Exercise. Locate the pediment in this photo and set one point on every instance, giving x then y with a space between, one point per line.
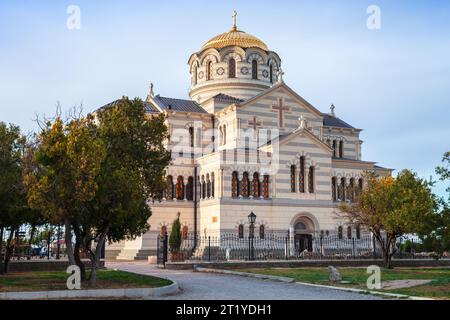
275 92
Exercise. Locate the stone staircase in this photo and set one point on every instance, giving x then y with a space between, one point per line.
135 254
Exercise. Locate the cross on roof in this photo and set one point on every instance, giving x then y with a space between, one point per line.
254 123
234 20
281 109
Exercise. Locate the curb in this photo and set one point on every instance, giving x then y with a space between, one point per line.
363 291
291 280
245 274
99 293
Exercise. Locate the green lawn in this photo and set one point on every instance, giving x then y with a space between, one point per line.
357 277
56 280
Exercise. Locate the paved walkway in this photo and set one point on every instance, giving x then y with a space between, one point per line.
207 286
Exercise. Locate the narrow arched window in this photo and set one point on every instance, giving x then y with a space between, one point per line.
184 232
341 149
169 188
212 185
358 231
261 231
342 187
334 148
245 185
271 73
241 231
349 232
255 69
195 76
265 186
220 135
340 232
163 231
234 185
301 178
179 190
224 134
256 189
208 186
311 180
190 189
293 180
191 136
209 71
203 188
351 190
231 68
333 188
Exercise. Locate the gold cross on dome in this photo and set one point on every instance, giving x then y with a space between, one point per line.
234 20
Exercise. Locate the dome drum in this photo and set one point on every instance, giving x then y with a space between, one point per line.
234 63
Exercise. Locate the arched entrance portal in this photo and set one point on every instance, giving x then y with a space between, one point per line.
303 233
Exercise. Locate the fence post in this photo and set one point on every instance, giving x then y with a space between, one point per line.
321 247
354 249
401 248
373 246
286 247
209 248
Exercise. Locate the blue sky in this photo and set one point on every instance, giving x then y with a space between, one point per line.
394 82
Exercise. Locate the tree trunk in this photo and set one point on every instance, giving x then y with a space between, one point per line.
385 248
388 251
76 252
68 240
33 230
9 249
1 250
95 258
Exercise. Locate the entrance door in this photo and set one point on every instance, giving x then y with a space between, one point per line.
303 242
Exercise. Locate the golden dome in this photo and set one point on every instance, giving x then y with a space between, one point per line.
235 37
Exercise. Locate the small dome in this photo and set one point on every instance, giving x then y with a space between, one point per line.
235 37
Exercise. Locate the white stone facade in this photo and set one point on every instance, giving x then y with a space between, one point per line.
245 122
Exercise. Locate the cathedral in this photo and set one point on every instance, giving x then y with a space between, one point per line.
246 142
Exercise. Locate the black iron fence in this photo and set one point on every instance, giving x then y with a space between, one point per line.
229 247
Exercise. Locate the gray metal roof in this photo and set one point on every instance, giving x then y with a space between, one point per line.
148 106
227 98
178 104
331 121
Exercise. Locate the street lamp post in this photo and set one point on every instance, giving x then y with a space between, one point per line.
251 220
58 245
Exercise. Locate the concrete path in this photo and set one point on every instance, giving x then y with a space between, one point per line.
207 286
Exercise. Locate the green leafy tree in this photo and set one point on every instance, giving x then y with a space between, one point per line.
436 235
61 175
175 235
131 176
13 205
392 207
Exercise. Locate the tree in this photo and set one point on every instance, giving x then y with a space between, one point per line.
13 206
392 207
436 236
175 235
131 176
97 175
61 175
